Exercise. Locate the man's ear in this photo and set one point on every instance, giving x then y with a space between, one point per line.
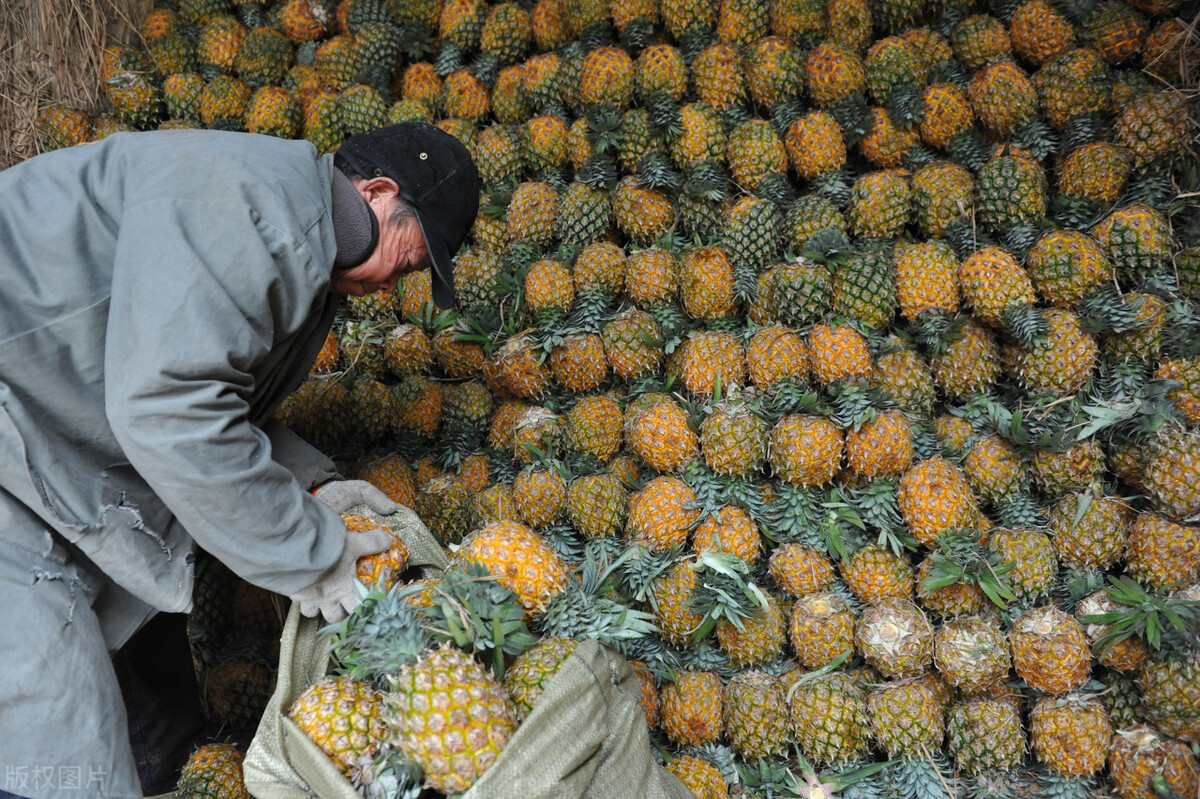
381 187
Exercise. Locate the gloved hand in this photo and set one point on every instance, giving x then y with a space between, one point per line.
342 495
335 594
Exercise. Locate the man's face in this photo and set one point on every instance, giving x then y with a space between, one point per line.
401 247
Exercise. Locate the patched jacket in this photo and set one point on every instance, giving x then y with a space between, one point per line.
160 294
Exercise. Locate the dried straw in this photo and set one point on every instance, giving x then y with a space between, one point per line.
50 55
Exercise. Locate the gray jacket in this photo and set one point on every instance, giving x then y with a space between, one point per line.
160 294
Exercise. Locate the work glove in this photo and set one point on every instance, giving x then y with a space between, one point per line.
335 594
342 495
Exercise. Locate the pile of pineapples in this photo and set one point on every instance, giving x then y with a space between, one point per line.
847 351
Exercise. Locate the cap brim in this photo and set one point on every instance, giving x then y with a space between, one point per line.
441 269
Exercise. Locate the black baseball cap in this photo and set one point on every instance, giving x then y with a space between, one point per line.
436 176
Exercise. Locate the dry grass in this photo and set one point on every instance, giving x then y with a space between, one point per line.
50 55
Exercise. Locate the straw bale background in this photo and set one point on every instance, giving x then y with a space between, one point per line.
50 54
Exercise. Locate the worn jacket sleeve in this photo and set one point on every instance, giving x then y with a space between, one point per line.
202 293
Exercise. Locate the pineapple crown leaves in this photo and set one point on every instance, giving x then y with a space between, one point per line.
1036 136
599 171
1019 510
1181 337
828 246
450 58
1126 402
853 114
906 106
854 405
604 124
384 633
1168 624
724 591
935 332
475 613
430 319
852 781
565 540
1107 312
878 507
638 572
664 116
638 34
588 609
714 492
387 774
960 558
654 171
795 515
706 180
928 777
1025 323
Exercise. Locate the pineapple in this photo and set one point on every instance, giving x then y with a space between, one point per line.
525 680
948 114
805 450
1003 97
1160 552
934 497
520 559
926 279
633 344
906 718
1171 697
662 513
700 777
598 505
213 771
672 599
1096 171
1073 84
1070 733
875 572
1089 530
733 439
985 734
821 628
1039 32
1066 266
1034 565
660 436
1050 651
894 636
594 427
840 354
880 204
979 40
830 719
449 716
799 570
833 70
1139 753
691 708
775 353
344 717
718 77
971 654
712 361
774 71
757 639
1172 473
756 717
706 283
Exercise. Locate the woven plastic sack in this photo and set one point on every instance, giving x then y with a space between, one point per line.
585 738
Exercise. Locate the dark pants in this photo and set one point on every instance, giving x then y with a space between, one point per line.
162 699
